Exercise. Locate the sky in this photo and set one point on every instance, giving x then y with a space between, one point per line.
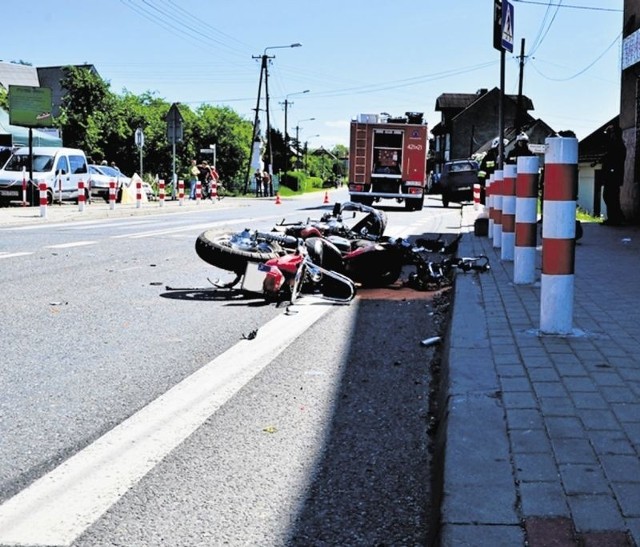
356 56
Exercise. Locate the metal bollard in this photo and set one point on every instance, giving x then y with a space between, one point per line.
488 198
81 196
112 194
476 196
161 192
42 187
558 235
496 190
181 192
508 213
524 256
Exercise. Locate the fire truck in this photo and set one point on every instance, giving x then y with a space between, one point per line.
388 159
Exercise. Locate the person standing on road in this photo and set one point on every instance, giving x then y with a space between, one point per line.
194 173
267 184
613 175
259 183
487 166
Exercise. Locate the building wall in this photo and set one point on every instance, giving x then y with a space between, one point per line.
587 190
630 119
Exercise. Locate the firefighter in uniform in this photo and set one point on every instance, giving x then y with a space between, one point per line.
487 166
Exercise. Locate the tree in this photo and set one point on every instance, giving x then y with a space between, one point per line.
232 136
85 110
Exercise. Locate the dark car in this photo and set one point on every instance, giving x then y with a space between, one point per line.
457 180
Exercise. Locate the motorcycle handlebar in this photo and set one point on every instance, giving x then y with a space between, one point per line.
278 238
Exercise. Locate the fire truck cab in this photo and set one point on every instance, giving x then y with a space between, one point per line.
388 159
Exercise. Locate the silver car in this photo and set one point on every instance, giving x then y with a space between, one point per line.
101 176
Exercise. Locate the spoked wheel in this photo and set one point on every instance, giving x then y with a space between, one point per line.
232 252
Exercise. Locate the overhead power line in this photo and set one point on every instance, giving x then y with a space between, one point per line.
588 8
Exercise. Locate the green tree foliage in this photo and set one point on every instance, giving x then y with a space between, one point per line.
103 124
232 136
86 109
4 98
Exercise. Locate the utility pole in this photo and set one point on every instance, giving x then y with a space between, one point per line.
263 73
519 113
286 104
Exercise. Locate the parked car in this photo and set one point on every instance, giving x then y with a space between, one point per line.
61 169
101 176
457 180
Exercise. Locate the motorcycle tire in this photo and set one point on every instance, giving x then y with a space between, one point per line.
219 251
374 268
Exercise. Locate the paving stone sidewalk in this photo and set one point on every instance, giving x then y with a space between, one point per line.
543 432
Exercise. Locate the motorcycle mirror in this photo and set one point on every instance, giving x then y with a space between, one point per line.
336 209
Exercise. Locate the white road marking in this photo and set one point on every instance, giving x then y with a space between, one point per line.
71 244
60 506
11 255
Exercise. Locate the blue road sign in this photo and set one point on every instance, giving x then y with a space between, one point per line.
507 26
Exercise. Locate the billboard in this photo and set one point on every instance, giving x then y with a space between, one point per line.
30 106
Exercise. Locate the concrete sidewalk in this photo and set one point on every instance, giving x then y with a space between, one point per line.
542 433
99 209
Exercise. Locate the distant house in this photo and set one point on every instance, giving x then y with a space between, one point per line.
51 77
17 74
590 152
470 122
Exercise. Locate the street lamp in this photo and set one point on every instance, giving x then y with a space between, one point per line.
286 103
298 140
306 150
263 71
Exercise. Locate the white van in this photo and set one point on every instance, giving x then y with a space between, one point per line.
60 168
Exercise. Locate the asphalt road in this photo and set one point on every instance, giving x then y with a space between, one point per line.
135 415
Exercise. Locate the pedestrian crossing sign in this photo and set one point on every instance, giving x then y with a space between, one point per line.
507 26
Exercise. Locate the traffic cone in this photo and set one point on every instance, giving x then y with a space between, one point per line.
278 202
326 198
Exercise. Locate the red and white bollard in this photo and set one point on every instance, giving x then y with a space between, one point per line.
488 200
558 235
24 186
138 193
42 188
508 213
476 196
198 191
112 194
81 196
214 190
181 192
161 192
496 191
524 256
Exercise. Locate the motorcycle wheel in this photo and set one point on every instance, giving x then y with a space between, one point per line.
374 268
222 252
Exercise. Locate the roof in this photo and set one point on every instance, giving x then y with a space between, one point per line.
461 101
593 146
18 74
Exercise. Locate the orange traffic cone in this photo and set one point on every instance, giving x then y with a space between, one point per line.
326 198
278 202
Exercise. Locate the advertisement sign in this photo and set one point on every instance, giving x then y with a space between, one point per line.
30 106
631 50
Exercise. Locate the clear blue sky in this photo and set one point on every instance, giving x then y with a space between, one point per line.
357 56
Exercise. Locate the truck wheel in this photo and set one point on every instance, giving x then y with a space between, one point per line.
413 204
445 200
222 252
